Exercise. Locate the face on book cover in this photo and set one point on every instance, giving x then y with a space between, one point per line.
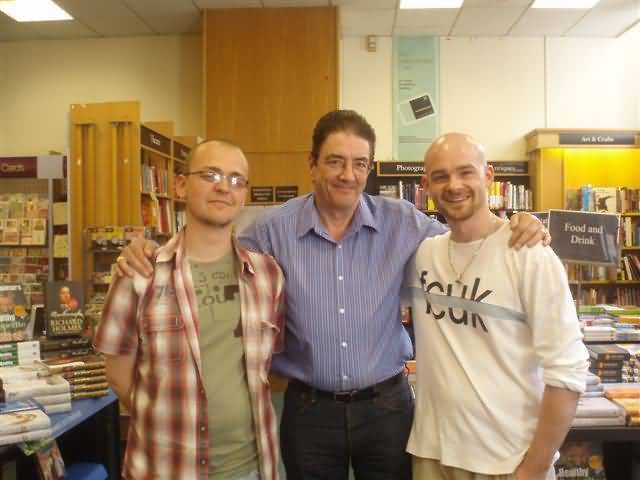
213 204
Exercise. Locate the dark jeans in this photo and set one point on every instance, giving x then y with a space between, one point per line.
320 436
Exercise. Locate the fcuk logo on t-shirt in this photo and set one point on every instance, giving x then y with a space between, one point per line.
438 288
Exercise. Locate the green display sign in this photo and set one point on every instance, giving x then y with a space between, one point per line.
416 96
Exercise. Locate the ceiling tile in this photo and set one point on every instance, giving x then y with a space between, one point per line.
61 30
430 18
496 3
12 31
167 16
358 21
211 4
486 21
545 22
607 19
106 17
434 31
366 3
295 3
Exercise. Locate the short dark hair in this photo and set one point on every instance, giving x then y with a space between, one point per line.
348 121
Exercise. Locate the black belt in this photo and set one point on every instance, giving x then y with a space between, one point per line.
349 396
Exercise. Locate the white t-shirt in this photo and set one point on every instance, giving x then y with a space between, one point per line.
486 348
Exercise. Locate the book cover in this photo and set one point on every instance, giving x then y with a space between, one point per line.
23 421
581 460
605 199
91 362
65 315
50 462
13 313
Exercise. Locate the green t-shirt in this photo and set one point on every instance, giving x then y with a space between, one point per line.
232 441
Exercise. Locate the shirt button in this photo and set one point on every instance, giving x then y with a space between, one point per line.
203 428
203 462
345 377
344 344
339 246
340 277
341 311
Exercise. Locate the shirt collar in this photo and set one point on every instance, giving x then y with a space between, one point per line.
309 218
175 247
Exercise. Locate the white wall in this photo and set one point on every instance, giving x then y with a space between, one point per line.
494 88
40 79
365 86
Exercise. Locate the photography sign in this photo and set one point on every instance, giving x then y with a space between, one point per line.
585 237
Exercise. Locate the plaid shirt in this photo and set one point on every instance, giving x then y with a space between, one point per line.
157 320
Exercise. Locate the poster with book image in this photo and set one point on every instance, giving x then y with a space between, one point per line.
14 320
50 462
65 316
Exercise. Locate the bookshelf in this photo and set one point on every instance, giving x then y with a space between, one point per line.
593 170
509 193
156 170
182 146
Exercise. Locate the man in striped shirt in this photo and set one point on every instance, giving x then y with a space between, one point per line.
189 348
343 253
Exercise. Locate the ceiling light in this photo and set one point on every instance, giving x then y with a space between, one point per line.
33 10
416 4
566 4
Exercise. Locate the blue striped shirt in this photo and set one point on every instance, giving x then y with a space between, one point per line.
343 327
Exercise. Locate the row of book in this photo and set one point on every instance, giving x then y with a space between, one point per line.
604 199
155 179
630 267
502 195
410 191
601 295
631 231
23 205
156 213
509 196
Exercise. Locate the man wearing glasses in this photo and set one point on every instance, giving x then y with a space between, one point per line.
189 348
343 253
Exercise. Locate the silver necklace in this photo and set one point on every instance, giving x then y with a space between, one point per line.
459 276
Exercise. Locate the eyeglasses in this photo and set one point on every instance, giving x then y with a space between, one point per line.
235 182
337 165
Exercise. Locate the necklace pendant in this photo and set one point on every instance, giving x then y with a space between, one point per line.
458 281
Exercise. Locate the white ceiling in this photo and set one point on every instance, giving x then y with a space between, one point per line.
111 18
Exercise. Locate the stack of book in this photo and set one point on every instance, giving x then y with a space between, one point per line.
19 353
53 392
86 375
65 348
629 399
22 421
611 363
598 333
598 411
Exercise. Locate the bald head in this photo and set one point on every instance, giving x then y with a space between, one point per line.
455 146
211 147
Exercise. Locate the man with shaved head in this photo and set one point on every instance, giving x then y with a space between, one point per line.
500 358
189 348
